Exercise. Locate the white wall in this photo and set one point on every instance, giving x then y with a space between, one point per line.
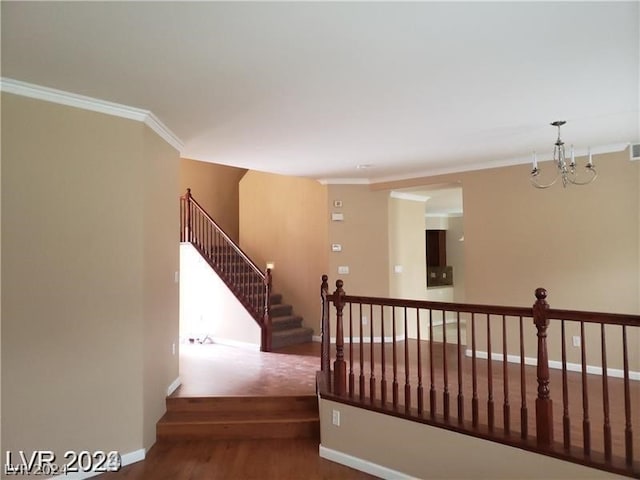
208 307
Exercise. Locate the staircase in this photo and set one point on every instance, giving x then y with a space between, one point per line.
280 326
239 417
286 327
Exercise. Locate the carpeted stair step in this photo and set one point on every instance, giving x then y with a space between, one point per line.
286 322
281 310
292 336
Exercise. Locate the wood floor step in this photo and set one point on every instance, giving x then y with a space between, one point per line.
225 429
247 404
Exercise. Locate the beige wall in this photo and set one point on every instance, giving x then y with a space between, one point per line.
216 188
88 311
580 243
407 249
422 451
161 264
283 219
364 238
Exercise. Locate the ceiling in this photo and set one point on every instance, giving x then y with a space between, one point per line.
317 89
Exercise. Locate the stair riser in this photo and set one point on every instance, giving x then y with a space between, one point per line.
281 310
177 431
290 340
286 324
224 405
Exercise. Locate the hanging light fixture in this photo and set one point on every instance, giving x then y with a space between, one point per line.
567 172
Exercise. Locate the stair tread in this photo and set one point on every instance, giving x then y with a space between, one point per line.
292 332
197 418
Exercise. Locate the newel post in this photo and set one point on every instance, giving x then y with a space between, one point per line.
325 360
266 319
339 366
544 406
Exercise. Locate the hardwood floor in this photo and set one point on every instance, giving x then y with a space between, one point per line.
205 371
218 370
237 459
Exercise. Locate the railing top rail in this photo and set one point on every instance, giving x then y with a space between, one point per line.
431 305
229 240
552 313
594 317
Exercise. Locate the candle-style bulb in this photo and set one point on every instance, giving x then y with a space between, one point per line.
573 157
590 162
535 161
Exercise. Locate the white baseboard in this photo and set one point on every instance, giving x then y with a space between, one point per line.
174 385
356 339
127 459
236 343
362 465
555 364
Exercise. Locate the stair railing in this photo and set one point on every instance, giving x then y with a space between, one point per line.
249 284
402 348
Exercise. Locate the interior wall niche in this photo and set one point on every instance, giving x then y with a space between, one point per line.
439 274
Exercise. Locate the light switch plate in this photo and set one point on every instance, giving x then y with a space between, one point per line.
337 217
336 247
343 269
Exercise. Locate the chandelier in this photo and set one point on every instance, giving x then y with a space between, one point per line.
567 172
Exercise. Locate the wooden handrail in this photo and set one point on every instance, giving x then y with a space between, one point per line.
613 450
249 284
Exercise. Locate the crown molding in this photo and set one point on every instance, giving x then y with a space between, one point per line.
409 196
61 97
597 150
344 181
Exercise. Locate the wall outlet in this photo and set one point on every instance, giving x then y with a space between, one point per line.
343 270
173 348
576 341
365 320
336 418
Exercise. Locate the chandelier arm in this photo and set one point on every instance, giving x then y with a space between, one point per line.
585 182
543 186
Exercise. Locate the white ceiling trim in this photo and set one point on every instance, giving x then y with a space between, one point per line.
61 97
344 181
598 150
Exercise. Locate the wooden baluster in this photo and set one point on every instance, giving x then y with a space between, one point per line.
383 379
361 383
182 219
395 358
325 355
605 396
460 394
432 388
267 327
420 386
474 374
506 408
566 421
351 377
339 366
586 423
188 212
524 413
372 377
490 406
445 393
407 382
544 406
628 431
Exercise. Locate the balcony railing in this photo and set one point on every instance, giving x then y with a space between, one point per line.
558 382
